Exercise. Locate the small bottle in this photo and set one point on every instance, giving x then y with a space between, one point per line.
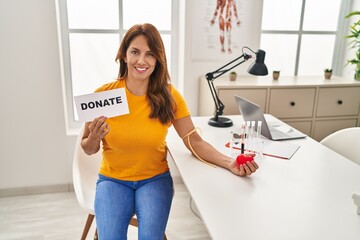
258 130
259 141
243 138
235 145
247 135
253 127
251 139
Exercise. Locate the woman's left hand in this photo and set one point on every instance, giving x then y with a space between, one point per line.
245 169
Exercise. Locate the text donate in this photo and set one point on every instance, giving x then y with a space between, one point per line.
101 103
109 103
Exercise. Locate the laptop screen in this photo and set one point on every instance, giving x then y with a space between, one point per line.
252 112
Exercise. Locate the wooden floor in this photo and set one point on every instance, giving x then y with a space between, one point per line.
58 216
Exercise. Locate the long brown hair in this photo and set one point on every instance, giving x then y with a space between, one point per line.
158 94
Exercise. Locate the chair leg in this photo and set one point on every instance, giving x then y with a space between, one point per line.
87 226
96 235
134 222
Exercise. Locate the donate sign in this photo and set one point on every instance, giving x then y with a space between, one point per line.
107 103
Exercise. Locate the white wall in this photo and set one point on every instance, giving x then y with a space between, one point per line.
34 148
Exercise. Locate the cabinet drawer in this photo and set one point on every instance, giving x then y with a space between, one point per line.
257 96
292 103
325 127
338 101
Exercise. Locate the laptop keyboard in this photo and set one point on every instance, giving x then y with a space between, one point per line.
275 133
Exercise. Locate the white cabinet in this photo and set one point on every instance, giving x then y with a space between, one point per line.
313 105
292 102
339 101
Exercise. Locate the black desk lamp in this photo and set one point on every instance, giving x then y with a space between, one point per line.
257 68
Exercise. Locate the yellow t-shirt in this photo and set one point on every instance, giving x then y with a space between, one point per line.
135 147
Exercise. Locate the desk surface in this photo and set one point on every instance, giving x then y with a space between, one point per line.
306 197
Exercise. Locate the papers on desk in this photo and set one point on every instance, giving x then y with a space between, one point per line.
278 149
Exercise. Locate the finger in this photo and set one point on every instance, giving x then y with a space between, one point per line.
93 123
255 164
247 169
105 131
97 127
251 166
100 122
241 171
103 127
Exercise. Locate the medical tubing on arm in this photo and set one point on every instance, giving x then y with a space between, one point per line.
192 149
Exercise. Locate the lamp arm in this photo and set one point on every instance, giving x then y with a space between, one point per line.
210 77
218 104
217 73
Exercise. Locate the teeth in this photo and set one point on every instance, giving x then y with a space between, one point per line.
141 69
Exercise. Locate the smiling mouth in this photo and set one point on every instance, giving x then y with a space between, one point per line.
141 69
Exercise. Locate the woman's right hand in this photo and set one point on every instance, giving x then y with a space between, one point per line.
94 132
99 128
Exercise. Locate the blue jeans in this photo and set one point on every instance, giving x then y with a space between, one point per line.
116 201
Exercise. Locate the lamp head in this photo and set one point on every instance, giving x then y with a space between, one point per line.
258 67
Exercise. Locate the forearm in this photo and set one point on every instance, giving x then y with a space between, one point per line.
211 155
203 150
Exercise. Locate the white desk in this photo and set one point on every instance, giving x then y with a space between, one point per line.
306 197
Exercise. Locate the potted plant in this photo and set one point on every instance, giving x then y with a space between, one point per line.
355 43
327 73
232 76
276 74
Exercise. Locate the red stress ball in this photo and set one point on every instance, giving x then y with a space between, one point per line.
243 158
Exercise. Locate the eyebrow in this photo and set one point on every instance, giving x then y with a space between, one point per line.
134 48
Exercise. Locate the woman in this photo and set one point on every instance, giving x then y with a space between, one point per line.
134 175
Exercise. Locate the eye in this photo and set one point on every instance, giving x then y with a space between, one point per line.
134 52
151 54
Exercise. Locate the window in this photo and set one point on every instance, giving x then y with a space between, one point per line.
299 36
91 32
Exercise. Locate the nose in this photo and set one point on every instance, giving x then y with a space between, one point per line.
141 59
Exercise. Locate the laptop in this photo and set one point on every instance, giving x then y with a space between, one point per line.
273 131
